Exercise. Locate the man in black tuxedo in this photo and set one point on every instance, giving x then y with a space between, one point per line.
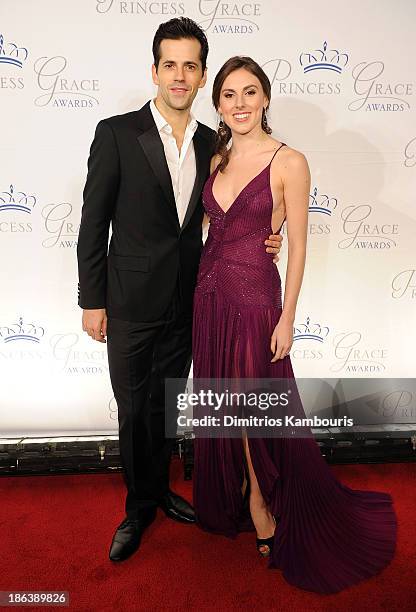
146 171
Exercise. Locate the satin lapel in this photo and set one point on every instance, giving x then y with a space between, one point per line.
155 153
202 159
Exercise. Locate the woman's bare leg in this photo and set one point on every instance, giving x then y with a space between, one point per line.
262 517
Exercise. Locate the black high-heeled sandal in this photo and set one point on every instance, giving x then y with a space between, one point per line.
260 542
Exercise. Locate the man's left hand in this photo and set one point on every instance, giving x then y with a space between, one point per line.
273 244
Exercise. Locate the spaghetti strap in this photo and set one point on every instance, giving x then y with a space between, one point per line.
274 154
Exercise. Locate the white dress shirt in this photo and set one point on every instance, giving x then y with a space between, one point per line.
182 166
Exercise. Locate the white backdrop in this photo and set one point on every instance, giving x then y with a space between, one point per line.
343 94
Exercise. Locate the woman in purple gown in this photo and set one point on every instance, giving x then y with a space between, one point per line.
323 535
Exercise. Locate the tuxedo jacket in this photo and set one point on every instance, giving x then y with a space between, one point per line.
129 185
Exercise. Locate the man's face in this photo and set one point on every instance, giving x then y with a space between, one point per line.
179 74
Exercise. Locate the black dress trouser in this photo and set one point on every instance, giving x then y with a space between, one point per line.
141 356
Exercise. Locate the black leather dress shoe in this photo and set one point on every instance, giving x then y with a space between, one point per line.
177 508
129 533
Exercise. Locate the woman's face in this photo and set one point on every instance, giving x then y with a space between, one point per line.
242 101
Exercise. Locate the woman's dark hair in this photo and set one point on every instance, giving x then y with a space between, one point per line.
224 132
174 29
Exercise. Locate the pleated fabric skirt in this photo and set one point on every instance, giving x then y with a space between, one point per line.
328 536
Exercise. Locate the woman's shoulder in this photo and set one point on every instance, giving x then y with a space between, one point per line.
215 160
291 158
289 152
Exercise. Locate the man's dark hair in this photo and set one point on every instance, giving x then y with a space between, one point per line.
174 29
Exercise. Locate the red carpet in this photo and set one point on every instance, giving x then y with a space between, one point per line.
56 530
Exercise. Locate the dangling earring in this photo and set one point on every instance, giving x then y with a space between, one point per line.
264 123
265 126
222 130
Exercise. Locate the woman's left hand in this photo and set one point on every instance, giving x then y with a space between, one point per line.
282 339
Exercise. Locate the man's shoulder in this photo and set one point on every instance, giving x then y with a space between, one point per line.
206 131
122 118
131 118
143 119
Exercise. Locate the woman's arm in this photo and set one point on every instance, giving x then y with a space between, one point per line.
296 187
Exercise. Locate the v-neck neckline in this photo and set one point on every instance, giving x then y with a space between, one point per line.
214 174
225 212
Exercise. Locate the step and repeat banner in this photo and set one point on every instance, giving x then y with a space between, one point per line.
344 94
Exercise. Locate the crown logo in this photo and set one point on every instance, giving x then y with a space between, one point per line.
322 203
20 331
16 200
12 54
305 331
323 59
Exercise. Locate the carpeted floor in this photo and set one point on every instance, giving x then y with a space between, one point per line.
56 531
